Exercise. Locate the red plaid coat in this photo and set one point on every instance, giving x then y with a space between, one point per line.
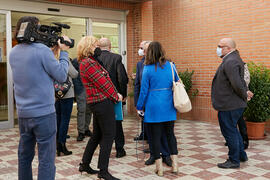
96 81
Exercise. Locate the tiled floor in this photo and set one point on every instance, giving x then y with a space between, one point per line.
200 145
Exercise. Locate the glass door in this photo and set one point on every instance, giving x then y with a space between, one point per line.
110 31
6 92
113 31
77 25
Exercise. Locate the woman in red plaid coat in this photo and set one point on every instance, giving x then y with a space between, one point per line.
101 96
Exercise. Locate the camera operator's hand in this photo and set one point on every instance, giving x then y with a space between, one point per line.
63 46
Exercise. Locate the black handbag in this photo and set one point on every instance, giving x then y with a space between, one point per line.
61 89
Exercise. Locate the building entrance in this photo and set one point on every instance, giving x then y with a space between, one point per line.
79 27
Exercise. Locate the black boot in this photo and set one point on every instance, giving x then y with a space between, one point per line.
167 160
246 143
58 148
87 168
121 153
80 137
150 161
61 148
105 175
88 133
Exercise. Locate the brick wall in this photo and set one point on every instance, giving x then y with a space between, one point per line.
190 30
147 21
133 41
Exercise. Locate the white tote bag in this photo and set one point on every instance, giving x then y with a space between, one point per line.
180 97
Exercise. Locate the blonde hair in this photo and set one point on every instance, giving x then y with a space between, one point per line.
56 51
86 47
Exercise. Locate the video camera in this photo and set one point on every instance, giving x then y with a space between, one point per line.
48 35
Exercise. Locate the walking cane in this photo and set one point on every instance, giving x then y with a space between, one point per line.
141 114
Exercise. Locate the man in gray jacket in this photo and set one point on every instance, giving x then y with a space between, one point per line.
229 97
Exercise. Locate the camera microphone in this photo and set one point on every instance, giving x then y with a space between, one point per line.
62 25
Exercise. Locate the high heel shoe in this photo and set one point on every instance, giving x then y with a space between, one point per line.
87 168
61 148
105 175
159 167
174 164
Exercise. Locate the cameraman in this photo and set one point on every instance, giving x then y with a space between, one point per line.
34 68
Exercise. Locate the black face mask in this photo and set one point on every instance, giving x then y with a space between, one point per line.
97 52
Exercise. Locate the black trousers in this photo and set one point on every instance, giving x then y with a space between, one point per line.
103 133
119 136
243 130
157 131
164 148
143 134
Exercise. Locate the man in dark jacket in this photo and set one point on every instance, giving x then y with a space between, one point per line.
113 64
229 97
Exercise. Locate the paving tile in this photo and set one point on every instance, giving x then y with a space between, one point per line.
239 175
206 175
200 145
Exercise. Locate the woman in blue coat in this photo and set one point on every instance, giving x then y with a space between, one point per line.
157 97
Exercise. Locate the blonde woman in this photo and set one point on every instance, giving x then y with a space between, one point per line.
101 96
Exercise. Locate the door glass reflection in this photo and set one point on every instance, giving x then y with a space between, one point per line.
3 70
110 31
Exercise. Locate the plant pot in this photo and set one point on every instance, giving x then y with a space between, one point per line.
255 130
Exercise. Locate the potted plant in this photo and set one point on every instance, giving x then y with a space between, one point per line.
258 108
186 77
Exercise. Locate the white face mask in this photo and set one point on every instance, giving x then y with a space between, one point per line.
140 52
219 51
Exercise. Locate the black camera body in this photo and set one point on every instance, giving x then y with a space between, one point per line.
48 35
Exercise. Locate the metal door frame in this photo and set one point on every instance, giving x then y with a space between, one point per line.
10 122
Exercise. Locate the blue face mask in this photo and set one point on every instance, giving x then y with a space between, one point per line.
219 51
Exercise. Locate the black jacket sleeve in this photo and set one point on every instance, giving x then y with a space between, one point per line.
137 84
122 77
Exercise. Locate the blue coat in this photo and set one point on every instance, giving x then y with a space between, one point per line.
156 94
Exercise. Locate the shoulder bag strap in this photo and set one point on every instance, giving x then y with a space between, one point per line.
172 71
172 67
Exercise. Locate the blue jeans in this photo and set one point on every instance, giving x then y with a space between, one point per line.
228 126
63 112
40 130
